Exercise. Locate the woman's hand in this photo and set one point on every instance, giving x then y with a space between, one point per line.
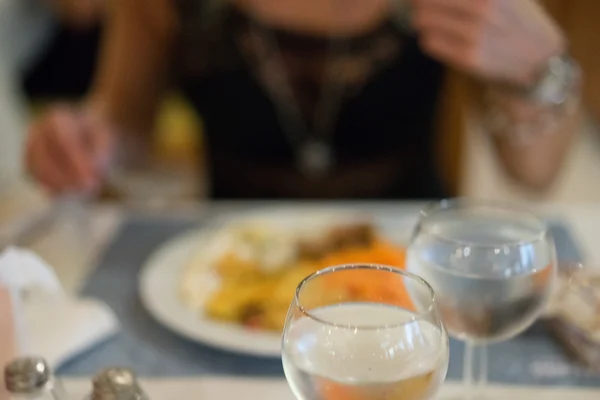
508 41
69 150
79 13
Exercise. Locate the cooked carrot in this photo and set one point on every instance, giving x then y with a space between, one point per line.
335 391
369 285
543 277
379 252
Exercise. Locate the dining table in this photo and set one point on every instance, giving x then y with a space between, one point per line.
97 251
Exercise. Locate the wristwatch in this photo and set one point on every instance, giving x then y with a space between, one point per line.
556 93
559 82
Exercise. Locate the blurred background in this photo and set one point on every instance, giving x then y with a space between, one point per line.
49 52
113 108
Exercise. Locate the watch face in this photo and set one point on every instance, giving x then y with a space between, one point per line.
556 84
552 89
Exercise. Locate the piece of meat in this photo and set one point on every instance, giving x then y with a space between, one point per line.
351 236
252 315
338 238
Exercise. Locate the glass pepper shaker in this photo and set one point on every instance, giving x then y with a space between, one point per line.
117 384
30 378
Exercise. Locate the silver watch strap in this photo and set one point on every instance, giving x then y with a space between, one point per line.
557 83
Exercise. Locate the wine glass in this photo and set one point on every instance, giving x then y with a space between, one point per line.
368 332
492 267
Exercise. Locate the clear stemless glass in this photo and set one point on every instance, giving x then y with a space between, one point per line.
364 332
492 267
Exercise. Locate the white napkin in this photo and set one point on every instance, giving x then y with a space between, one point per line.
50 323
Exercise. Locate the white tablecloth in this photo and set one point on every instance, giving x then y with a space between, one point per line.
260 389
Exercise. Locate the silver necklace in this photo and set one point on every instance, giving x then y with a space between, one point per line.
313 153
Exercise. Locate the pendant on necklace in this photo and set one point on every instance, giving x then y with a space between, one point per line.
316 158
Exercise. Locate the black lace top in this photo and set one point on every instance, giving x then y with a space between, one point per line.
382 136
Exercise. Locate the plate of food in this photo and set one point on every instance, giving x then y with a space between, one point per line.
229 284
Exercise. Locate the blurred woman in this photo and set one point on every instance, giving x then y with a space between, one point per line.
324 98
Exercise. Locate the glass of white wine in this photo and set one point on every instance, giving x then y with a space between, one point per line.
364 332
492 267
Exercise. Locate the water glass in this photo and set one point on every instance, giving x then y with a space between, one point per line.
367 332
492 267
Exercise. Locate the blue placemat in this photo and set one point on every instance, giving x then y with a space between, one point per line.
143 344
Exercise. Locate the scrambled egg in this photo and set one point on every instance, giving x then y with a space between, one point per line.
268 247
248 273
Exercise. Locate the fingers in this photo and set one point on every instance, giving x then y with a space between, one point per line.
58 155
448 49
80 13
42 164
498 40
464 9
445 34
65 142
453 30
101 143
434 20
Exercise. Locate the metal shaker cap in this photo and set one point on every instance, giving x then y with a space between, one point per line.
26 375
117 384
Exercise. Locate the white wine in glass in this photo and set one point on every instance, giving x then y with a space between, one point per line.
367 346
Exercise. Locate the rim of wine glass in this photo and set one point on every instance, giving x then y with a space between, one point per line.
449 204
365 266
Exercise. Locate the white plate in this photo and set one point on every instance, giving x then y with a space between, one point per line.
159 281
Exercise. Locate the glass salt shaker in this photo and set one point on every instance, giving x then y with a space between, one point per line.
117 384
30 378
